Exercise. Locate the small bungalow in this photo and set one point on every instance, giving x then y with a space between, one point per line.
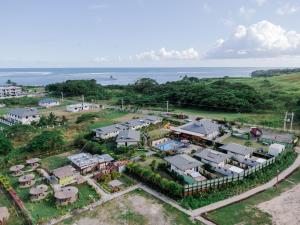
236 150
65 175
128 138
203 129
48 102
252 161
34 162
109 131
39 192
66 195
229 170
22 116
211 157
27 180
86 163
183 164
78 107
275 149
285 139
16 170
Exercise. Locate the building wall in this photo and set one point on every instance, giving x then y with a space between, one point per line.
67 180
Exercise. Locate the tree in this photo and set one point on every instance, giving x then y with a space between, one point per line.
153 165
19 132
52 119
145 85
47 141
43 121
64 120
5 145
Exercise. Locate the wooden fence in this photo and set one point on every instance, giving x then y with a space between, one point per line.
190 189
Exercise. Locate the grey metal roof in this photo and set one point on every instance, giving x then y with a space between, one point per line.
110 129
280 137
48 100
128 135
237 148
211 155
134 123
85 159
183 162
23 112
203 126
152 118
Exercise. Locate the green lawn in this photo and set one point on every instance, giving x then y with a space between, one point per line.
53 162
158 133
245 212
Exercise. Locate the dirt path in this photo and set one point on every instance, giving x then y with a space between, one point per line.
284 209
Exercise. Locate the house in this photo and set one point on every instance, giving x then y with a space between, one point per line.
39 192
275 149
34 162
65 175
27 180
86 163
183 164
236 150
128 137
22 115
229 170
10 91
211 157
66 195
285 139
252 161
152 119
135 124
16 170
109 131
202 129
78 107
48 102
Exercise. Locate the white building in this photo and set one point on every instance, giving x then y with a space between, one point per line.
128 138
48 102
78 107
10 91
236 150
229 170
21 115
275 149
109 131
211 157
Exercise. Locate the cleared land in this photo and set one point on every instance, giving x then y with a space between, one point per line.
135 208
248 212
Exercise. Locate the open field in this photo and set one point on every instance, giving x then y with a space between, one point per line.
135 208
53 162
249 211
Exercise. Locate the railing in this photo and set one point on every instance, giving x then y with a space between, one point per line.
215 183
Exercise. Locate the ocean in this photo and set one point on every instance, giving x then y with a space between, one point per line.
108 76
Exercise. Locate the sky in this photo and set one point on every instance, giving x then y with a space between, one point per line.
149 33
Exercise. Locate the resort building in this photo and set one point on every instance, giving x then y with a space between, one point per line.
66 195
128 138
252 161
16 170
182 164
78 107
7 91
236 150
86 163
34 162
285 139
48 102
109 131
135 124
211 157
27 180
22 116
228 170
39 192
276 149
203 129
64 175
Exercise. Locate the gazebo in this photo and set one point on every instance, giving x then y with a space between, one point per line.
39 192
66 195
16 170
34 162
27 180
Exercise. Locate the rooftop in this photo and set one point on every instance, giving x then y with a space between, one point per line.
48 100
183 162
66 192
40 189
26 178
204 127
110 129
86 159
33 161
23 112
65 171
16 168
129 135
237 148
211 155
280 137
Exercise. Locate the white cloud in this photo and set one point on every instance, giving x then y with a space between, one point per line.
260 2
287 9
245 12
262 39
164 54
100 59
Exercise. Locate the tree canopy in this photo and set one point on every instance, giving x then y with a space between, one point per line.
5 145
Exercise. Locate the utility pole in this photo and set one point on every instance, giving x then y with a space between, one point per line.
284 121
288 119
122 104
62 96
167 106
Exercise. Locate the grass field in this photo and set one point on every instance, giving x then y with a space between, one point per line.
53 162
246 212
254 144
134 208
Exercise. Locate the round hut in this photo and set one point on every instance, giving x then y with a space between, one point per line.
16 170
66 195
39 192
27 180
34 162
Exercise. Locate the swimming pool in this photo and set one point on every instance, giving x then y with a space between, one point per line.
169 145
